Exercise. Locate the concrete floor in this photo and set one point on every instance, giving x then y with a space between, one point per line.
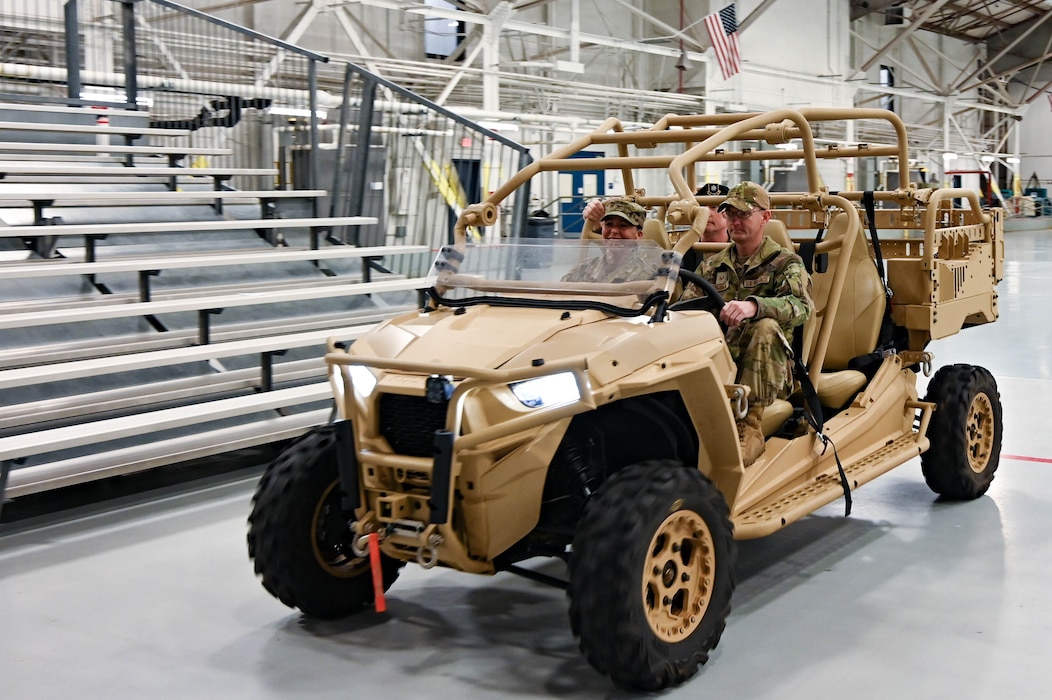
153 595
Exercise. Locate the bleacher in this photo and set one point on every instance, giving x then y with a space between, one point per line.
158 322
174 255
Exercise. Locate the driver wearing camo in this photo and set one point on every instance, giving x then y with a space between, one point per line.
767 295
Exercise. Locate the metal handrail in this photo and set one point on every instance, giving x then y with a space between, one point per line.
242 30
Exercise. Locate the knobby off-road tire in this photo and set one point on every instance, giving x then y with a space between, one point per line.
965 432
300 539
651 574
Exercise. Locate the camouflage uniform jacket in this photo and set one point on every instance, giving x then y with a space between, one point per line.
773 277
621 266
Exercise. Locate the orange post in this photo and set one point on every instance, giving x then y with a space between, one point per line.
378 572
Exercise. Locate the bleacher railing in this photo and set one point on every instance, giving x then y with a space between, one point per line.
379 148
415 165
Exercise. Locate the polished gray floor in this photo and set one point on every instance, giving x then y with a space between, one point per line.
154 597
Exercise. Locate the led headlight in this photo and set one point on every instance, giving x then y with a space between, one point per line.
547 391
363 379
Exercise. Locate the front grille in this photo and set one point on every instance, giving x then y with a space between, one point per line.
408 423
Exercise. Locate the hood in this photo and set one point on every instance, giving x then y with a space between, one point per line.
495 337
477 336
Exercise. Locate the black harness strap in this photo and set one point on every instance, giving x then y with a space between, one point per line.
886 325
869 203
807 254
814 417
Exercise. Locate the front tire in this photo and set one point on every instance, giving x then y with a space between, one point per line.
651 574
299 535
965 432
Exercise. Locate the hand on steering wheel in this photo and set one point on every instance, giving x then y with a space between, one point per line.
712 301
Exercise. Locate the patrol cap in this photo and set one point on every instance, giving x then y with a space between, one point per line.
745 196
712 189
627 210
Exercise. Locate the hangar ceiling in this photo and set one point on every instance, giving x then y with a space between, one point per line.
529 65
508 64
1017 35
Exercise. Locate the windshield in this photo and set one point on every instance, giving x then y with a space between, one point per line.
594 274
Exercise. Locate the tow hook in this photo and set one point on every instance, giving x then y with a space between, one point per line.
427 555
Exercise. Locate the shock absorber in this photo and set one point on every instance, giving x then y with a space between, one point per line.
576 457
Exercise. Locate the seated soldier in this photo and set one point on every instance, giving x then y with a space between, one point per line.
622 228
767 294
715 228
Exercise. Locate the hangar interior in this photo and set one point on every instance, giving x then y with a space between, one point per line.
226 185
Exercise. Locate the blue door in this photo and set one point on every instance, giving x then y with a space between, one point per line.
576 189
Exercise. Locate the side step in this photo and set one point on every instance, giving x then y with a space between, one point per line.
771 516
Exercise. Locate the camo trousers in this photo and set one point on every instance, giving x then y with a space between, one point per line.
762 354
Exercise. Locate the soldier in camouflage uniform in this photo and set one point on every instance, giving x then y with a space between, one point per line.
622 222
767 294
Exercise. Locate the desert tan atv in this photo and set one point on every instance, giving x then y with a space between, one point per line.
517 415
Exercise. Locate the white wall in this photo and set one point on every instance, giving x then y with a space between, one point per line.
1036 142
794 54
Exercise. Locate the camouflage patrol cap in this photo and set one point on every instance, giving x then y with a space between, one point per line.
627 210
712 189
745 196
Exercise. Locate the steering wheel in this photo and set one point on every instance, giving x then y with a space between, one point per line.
712 301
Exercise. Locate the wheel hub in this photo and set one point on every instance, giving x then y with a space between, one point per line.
979 433
678 576
331 537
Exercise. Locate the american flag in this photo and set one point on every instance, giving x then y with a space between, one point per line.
723 32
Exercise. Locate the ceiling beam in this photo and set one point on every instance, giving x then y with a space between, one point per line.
1010 71
1000 54
935 83
755 14
1043 89
676 33
347 21
930 10
861 8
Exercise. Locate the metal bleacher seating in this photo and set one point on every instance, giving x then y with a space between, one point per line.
114 354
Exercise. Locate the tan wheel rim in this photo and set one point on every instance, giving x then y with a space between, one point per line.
678 576
980 433
333 553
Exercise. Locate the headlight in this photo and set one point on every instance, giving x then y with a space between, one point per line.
363 379
550 390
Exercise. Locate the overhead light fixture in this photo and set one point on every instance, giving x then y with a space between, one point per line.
499 126
1012 159
296 112
569 66
117 97
949 156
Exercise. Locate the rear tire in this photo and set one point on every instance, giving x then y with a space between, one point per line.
651 574
299 535
965 432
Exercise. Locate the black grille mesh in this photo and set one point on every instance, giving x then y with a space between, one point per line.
409 423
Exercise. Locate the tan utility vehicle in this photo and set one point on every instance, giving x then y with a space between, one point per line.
518 415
